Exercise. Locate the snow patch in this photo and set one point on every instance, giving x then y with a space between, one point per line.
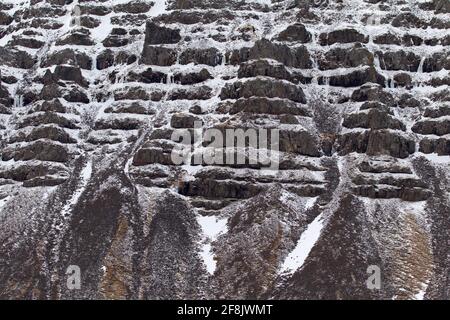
159 8
434 157
308 239
421 294
211 227
4 201
85 175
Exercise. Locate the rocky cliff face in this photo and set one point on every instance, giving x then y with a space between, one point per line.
91 92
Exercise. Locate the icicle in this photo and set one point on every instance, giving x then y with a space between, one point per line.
224 57
420 68
326 82
315 64
392 83
169 79
18 101
313 38
94 62
376 62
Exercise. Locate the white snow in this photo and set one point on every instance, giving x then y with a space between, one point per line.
103 269
4 201
127 166
268 2
102 31
421 294
211 227
208 258
159 8
85 176
307 241
434 157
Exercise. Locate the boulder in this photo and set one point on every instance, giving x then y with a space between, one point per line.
213 189
5 19
295 33
441 6
47 118
208 56
69 73
155 34
373 92
134 107
50 91
70 57
237 56
147 76
399 60
95 10
194 93
390 143
45 181
5 98
406 194
376 142
46 23
76 95
105 59
115 41
441 111
345 58
299 142
79 37
436 127
16 58
159 56
192 77
51 106
28 171
49 132
38 150
297 57
194 17
342 36
124 57
438 23
355 78
410 40
408 20
134 7
373 119
262 87
88 22
437 62
261 105
182 120
27 42
375 105
440 146
137 93
120 123
388 38
154 152
403 80
267 68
